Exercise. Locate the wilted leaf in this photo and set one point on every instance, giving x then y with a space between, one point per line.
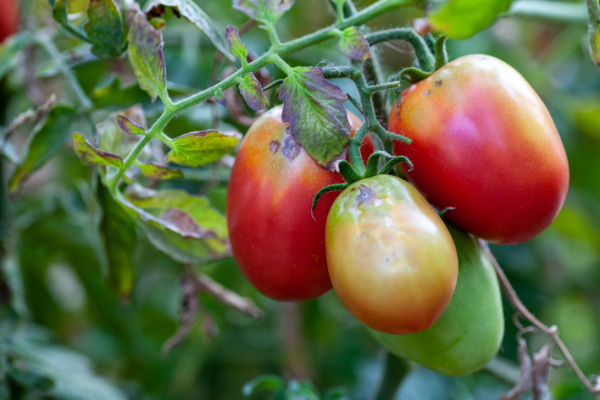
463 18
263 10
110 133
45 140
354 45
252 92
105 28
91 155
146 56
236 46
314 107
9 50
119 237
159 172
183 226
200 148
128 126
193 13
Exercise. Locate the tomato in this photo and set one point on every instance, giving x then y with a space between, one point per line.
469 333
10 18
275 241
485 147
391 259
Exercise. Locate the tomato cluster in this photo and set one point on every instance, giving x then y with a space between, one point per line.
484 150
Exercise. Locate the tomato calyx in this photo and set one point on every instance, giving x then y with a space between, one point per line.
350 175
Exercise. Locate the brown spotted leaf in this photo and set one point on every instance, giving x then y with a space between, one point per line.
91 155
159 172
200 148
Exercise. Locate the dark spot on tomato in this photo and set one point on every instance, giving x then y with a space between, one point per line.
438 83
290 148
273 146
426 93
365 195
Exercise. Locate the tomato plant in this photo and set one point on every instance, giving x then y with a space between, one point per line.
275 241
469 333
10 18
485 148
391 259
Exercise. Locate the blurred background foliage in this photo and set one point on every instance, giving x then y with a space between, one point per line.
76 339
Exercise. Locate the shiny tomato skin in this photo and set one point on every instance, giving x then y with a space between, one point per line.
391 259
276 243
9 18
485 147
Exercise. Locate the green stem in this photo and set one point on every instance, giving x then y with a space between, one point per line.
273 55
424 56
395 369
552 11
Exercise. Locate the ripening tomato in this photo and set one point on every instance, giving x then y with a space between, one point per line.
485 147
391 259
275 241
469 333
9 18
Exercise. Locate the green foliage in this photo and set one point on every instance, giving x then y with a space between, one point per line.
461 19
105 28
91 155
200 148
354 45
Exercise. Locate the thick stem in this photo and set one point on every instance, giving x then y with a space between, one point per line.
395 369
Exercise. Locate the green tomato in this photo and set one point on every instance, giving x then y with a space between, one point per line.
469 333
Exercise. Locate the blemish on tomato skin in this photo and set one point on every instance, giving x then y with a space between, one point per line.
427 93
274 146
365 195
438 83
290 148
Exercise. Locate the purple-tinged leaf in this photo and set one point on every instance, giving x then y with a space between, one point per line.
193 13
236 46
110 136
105 28
128 126
146 56
220 97
314 107
354 45
159 172
183 226
46 140
200 148
252 92
263 10
91 155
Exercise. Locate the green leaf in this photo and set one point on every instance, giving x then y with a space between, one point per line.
183 226
267 11
128 126
146 56
60 14
10 49
236 46
119 238
193 13
354 45
200 148
46 139
267 383
105 28
252 92
91 155
461 19
110 133
314 107
160 172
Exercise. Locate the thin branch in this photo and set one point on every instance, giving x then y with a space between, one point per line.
32 114
205 284
551 331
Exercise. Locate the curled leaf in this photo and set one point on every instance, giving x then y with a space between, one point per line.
160 172
252 92
236 46
354 45
128 126
200 148
91 155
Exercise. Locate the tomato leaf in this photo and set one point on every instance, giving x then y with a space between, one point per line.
220 98
128 126
160 172
119 238
105 28
46 139
183 226
354 45
314 107
236 46
193 13
463 18
268 11
110 131
91 155
146 56
60 14
200 148
252 92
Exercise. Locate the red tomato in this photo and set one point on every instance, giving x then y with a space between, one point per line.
10 18
275 241
486 146
391 259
